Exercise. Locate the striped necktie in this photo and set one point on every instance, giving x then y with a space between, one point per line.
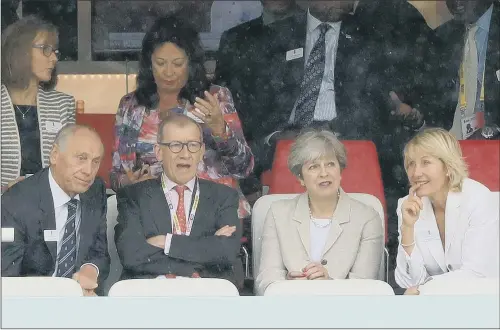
313 77
66 258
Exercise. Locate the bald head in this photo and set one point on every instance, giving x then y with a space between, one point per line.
71 130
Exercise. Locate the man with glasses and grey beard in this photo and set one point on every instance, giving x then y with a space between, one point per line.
178 225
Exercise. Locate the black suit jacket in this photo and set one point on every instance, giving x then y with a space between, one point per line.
143 212
28 207
449 52
376 53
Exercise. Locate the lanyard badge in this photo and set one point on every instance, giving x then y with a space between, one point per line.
176 228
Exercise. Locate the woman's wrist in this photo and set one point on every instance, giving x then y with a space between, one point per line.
407 227
407 236
220 133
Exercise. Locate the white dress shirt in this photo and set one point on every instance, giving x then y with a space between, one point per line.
318 239
325 105
61 199
174 197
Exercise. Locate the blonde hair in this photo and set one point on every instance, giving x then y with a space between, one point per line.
313 144
441 144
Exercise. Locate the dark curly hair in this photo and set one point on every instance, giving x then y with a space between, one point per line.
171 29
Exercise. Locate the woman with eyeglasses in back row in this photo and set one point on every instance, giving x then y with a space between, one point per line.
32 111
172 79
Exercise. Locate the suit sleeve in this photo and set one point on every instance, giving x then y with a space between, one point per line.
370 251
136 255
12 252
480 256
98 254
272 267
212 249
223 64
410 269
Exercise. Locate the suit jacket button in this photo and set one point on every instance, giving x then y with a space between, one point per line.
324 262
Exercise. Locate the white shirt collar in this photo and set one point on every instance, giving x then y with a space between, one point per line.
313 23
171 184
58 195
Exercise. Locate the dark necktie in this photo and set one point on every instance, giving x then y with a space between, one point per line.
311 84
67 254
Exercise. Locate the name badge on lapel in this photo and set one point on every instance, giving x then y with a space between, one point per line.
52 126
7 234
294 54
50 235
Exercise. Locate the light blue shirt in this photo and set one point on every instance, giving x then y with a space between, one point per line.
483 24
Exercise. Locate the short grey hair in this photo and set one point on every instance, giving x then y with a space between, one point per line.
179 120
69 130
312 145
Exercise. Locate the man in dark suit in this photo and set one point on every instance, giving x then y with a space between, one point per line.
242 51
371 49
56 219
178 225
476 27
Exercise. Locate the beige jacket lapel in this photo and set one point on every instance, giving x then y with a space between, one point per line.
301 218
342 214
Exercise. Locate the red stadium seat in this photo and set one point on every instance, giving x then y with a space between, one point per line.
265 178
362 174
104 125
483 159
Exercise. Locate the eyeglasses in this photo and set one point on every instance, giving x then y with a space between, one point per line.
177 146
48 50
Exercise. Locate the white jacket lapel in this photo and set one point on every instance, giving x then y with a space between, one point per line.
452 219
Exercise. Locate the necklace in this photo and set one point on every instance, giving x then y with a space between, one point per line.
23 113
316 223
321 224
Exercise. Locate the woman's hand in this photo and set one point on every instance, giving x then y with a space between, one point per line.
413 291
294 275
210 112
411 207
316 271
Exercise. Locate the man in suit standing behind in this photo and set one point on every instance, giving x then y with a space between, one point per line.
332 67
468 69
243 46
57 217
242 51
178 225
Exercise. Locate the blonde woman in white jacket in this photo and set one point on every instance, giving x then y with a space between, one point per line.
448 223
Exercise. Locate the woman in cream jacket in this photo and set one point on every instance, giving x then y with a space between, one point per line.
323 233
